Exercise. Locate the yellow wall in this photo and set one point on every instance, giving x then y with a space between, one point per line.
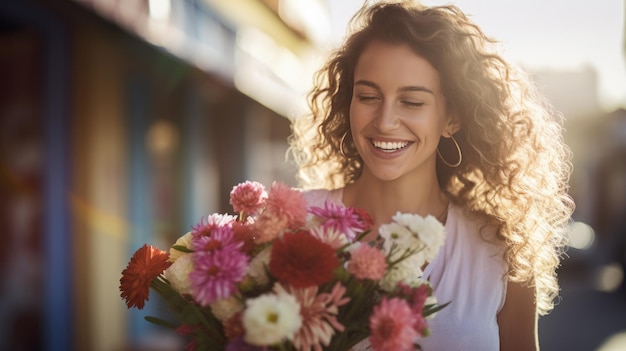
99 198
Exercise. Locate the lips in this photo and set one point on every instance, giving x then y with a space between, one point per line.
390 146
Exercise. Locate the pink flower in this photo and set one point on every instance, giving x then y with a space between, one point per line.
417 298
248 197
216 274
287 204
368 263
340 218
391 326
268 227
222 238
318 312
209 223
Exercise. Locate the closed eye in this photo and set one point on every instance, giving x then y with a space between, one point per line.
412 103
367 98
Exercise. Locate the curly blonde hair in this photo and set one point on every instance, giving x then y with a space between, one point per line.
515 167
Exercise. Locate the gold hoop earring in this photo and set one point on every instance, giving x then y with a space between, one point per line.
343 138
458 149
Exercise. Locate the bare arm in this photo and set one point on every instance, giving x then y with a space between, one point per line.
518 319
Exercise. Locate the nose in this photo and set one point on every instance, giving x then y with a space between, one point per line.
386 118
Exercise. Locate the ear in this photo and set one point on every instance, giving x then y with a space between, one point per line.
453 126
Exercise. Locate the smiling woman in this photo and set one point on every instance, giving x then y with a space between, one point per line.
417 113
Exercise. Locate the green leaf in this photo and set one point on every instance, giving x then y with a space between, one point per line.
182 248
161 322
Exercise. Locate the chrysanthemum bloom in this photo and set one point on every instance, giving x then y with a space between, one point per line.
406 271
287 203
391 326
146 264
416 297
318 312
340 218
209 223
216 274
330 236
222 238
271 318
368 263
184 241
302 260
268 227
427 229
248 197
178 274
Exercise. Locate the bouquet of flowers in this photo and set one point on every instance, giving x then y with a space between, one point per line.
280 275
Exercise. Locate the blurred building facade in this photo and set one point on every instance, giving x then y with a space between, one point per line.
123 123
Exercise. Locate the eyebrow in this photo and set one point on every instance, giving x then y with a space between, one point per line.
403 89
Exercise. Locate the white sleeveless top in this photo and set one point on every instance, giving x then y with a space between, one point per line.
469 272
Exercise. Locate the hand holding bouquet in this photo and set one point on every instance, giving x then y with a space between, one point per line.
282 276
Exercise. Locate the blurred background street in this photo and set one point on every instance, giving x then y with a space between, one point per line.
123 122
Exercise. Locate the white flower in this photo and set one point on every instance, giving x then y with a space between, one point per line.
398 236
185 241
330 236
432 233
178 274
258 266
223 309
271 318
407 271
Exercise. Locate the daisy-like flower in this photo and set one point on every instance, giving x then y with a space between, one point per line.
319 315
367 263
248 197
216 274
209 223
184 241
407 271
391 326
427 229
288 204
146 264
178 274
341 218
271 318
330 236
302 260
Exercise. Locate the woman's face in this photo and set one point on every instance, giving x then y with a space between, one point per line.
398 111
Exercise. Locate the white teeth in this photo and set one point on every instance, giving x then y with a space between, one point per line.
389 146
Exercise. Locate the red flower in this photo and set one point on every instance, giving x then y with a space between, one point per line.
302 260
365 218
146 264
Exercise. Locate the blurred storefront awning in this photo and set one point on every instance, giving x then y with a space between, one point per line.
267 49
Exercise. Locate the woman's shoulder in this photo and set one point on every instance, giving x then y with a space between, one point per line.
317 197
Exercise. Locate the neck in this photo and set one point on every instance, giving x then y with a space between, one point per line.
382 199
